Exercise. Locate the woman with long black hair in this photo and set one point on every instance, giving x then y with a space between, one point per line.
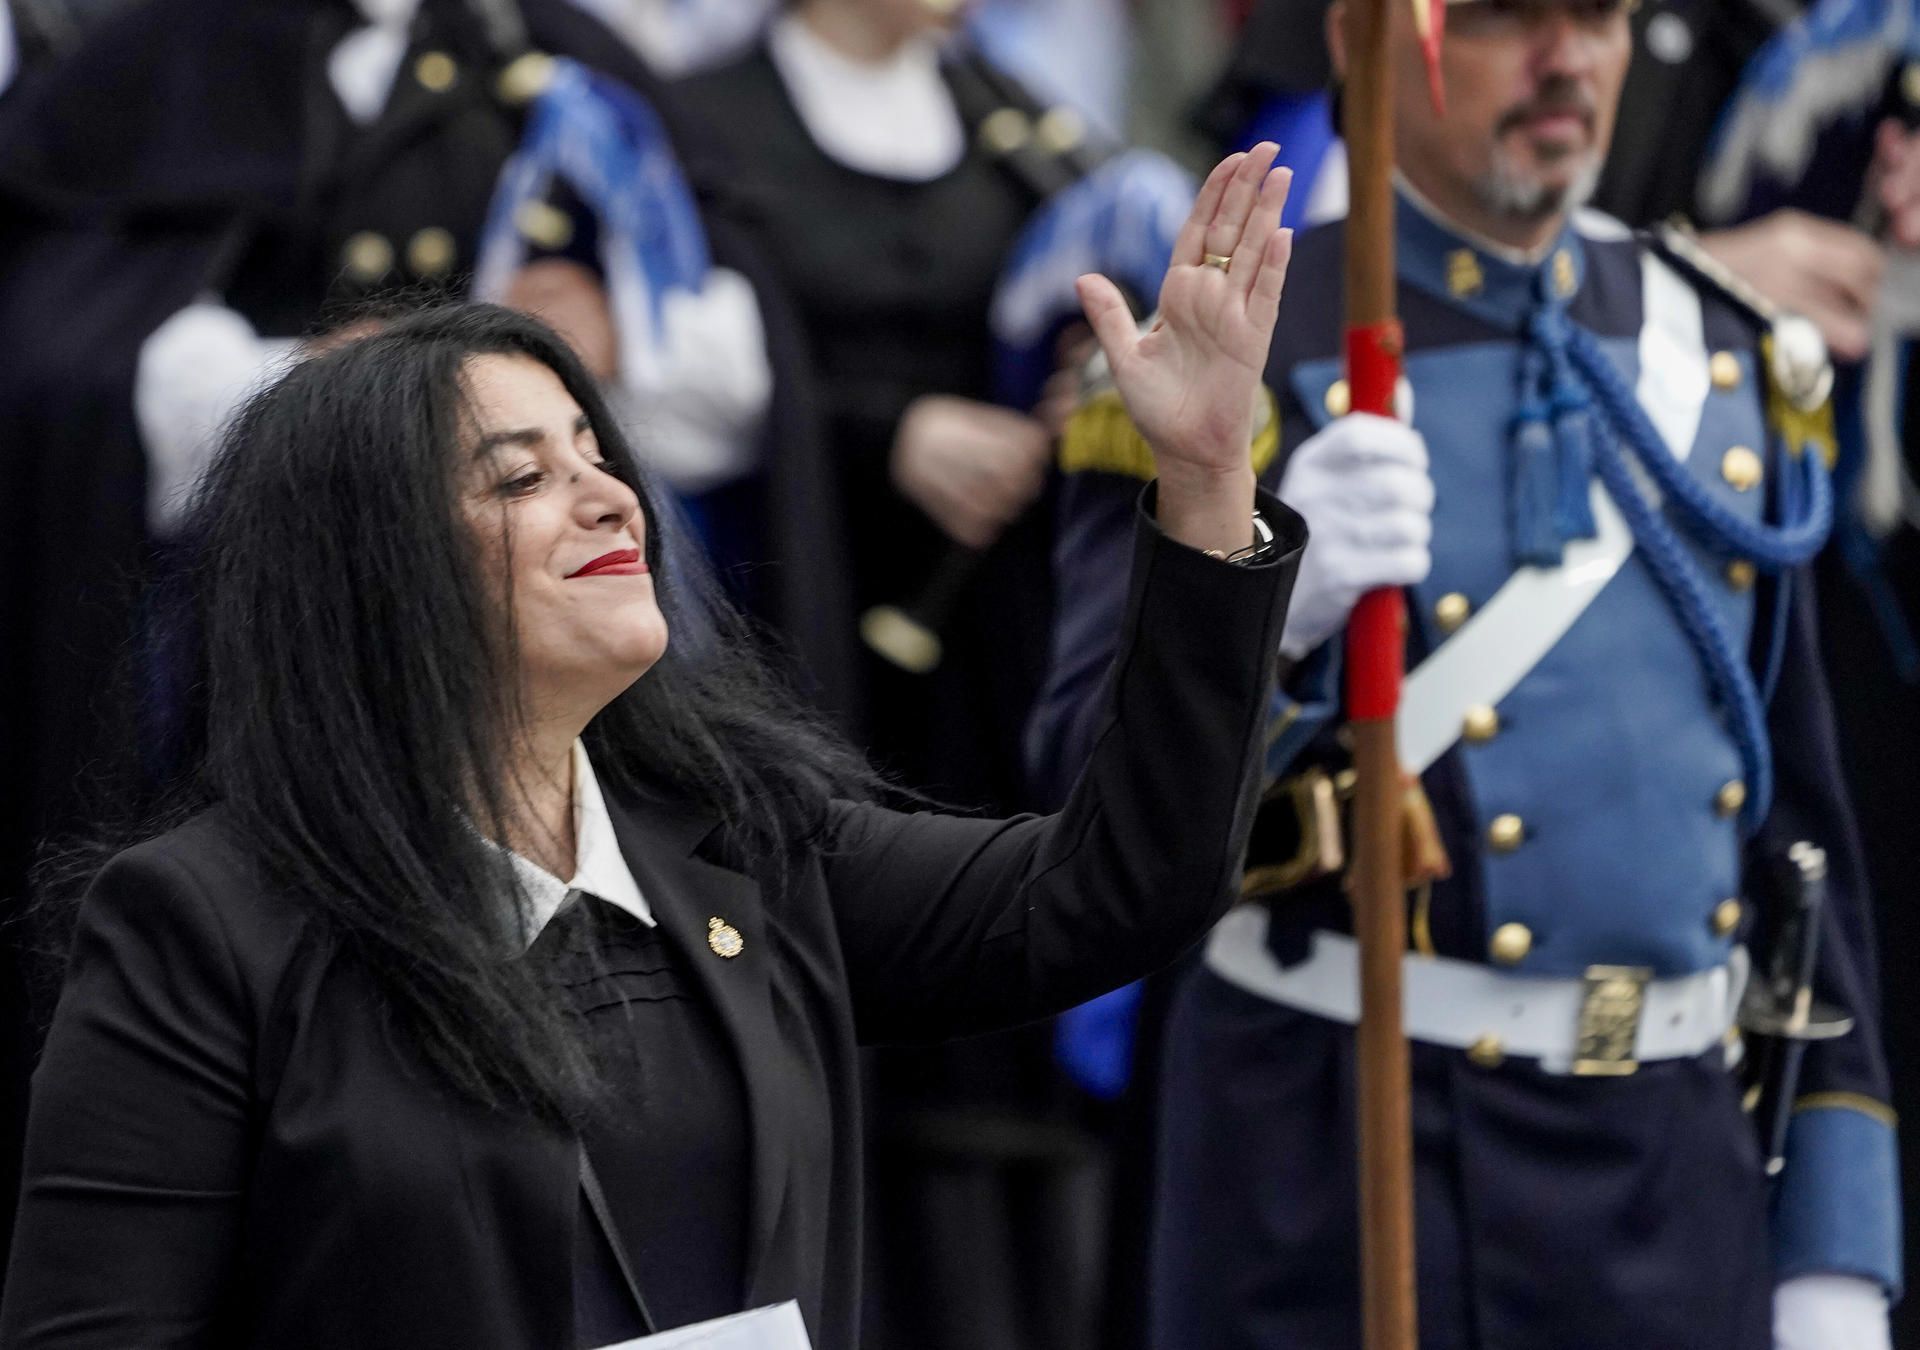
341 1061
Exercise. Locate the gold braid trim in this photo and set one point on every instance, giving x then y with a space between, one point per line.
1848 1101
1797 427
1101 437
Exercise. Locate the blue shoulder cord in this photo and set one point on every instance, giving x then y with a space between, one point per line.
1581 374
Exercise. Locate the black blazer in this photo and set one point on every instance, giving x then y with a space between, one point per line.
226 1149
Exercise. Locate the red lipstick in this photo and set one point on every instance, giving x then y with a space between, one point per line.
622 562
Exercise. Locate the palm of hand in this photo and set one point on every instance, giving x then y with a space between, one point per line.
1190 382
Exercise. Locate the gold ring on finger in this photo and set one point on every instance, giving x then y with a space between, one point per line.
1220 260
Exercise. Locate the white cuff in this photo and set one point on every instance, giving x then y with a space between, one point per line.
696 414
1830 1312
194 372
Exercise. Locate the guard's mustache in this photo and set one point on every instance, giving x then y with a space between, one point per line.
1551 101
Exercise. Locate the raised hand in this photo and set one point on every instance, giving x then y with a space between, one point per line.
1190 383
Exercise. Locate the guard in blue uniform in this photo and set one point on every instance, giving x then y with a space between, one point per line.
1602 510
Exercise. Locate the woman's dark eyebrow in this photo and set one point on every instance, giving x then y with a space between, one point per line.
493 440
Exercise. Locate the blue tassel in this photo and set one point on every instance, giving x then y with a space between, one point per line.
1573 436
1534 494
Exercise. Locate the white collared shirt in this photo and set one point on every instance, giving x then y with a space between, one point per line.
598 868
894 118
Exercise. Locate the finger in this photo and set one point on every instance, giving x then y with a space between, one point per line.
1848 261
1852 290
1890 139
1387 531
1844 330
1905 225
1896 151
1015 458
1262 221
1189 246
972 531
1112 321
1243 189
1405 566
1012 490
1389 488
1899 192
1366 439
1370 540
1269 280
1037 451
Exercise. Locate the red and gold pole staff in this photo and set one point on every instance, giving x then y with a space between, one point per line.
1376 659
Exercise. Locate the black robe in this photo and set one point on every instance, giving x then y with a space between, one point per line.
892 281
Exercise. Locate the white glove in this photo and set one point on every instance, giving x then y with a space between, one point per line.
1362 485
1830 1312
193 373
695 404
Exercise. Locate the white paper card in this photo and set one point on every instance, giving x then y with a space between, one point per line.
775 1327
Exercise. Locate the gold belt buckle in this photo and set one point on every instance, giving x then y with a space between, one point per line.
1616 998
1321 850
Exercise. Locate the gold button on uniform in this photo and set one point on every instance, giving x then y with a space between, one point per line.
1059 130
1511 943
1563 275
1464 277
430 252
436 71
1339 399
1741 574
544 224
525 78
1730 798
1724 367
367 256
1451 610
1488 1051
1480 725
1741 467
1726 918
1005 130
1505 833
1910 82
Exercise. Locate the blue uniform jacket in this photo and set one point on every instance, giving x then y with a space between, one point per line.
1611 749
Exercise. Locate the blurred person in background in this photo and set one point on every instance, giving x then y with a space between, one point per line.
1621 725
886 178
677 36
185 199
887 169
1076 52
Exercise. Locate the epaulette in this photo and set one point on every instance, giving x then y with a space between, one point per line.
1100 435
1798 369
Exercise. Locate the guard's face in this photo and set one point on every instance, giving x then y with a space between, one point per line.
1531 87
904 17
560 536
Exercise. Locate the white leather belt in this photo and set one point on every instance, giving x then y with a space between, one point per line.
1465 1005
